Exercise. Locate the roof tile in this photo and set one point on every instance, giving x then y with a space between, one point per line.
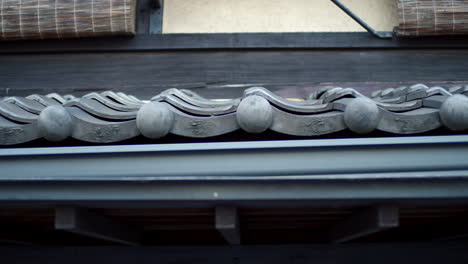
111 117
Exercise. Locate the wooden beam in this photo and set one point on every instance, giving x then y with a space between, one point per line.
382 253
454 232
227 223
156 17
15 242
364 223
225 73
158 3
144 8
82 222
225 41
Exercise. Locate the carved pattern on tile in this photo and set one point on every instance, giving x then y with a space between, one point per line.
108 117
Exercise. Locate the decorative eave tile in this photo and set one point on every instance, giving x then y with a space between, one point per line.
112 117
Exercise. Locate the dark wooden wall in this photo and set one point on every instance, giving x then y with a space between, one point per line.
223 65
224 73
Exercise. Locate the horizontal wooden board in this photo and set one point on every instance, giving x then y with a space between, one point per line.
222 73
385 253
157 42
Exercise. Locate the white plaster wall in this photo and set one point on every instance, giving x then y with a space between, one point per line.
217 16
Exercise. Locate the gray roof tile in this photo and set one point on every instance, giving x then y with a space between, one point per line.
111 117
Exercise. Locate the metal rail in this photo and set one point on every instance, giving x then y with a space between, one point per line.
361 22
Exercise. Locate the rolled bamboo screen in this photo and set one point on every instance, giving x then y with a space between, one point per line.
432 17
40 19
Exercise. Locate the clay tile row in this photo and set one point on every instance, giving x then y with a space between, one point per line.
112 117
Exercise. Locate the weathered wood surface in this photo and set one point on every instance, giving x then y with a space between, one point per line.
41 19
365 223
227 223
82 222
432 17
385 253
225 74
257 41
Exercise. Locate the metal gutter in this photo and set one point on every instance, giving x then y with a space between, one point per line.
346 170
361 156
244 145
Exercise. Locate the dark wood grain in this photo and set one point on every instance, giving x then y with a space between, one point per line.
223 73
384 253
144 42
143 10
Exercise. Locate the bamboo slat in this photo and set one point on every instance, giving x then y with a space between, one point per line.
432 17
41 19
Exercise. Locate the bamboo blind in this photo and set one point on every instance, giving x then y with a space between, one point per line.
432 17
40 19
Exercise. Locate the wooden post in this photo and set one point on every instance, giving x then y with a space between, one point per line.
364 223
227 223
85 223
